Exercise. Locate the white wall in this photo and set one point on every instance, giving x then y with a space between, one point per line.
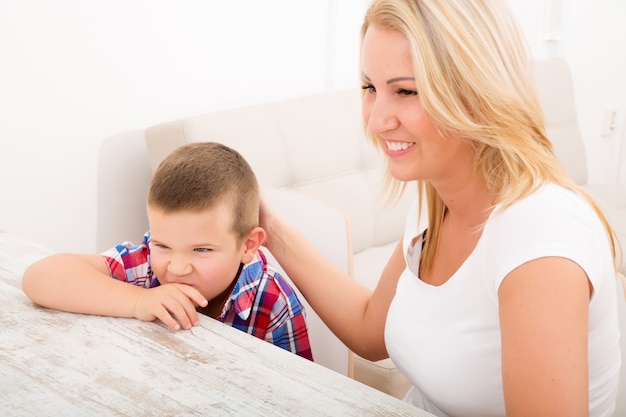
74 72
591 35
595 46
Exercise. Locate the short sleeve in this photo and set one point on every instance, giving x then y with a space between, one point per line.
131 263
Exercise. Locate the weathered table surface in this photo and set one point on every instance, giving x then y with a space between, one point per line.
61 364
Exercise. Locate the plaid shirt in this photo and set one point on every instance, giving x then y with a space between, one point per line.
262 303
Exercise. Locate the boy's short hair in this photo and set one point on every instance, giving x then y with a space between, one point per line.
199 176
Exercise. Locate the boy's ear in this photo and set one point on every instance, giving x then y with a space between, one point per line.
255 238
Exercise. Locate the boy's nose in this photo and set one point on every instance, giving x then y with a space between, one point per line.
178 265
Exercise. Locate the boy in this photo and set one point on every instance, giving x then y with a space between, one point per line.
201 254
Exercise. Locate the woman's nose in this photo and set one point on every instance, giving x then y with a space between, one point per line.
379 116
178 265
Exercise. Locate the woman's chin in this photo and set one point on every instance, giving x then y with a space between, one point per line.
402 175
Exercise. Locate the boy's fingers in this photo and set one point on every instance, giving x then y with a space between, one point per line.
182 310
194 295
183 305
167 319
174 305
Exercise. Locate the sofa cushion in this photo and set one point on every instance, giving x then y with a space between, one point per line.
369 263
382 375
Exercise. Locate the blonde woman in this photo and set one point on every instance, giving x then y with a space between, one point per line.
500 298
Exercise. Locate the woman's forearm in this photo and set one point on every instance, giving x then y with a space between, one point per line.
343 303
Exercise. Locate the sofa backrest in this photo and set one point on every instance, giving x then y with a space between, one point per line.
315 145
556 94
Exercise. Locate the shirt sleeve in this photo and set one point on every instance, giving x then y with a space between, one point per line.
131 263
551 222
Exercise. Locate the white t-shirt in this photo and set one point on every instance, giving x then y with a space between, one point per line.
446 339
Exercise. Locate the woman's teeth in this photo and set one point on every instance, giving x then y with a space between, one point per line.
398 146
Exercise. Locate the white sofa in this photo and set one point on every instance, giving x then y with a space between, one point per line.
316 146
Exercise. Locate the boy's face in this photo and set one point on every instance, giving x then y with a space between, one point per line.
197 248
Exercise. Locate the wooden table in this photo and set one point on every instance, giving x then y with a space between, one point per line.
61 364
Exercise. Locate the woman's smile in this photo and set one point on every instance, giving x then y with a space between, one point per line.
394 148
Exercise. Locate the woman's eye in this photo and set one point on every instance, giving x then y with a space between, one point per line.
368 88
405 92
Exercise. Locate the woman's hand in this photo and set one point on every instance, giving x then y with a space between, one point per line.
266 219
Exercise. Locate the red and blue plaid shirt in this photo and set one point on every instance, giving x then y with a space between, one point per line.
262 303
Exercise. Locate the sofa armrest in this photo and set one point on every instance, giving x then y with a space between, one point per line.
122 183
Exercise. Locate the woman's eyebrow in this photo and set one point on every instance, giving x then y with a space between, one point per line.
392 80
395 80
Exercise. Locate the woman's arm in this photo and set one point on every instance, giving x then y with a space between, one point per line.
544 306
81 283
351 310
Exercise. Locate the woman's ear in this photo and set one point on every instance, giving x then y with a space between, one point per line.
251 242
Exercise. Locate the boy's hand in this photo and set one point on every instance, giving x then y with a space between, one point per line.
173 304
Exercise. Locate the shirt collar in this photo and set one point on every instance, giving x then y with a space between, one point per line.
246 288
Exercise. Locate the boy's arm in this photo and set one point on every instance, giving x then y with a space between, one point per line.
81 283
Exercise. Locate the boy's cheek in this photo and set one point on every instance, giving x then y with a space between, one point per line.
158 270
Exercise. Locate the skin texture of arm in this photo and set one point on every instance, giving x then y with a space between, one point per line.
352 311
81 283
544 308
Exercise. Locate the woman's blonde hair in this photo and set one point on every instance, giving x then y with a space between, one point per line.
474 77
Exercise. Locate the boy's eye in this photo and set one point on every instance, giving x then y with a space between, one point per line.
203 250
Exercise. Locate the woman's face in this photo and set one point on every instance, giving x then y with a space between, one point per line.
415 148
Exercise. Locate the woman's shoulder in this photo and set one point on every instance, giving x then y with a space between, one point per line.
547 204
552 213
552 221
